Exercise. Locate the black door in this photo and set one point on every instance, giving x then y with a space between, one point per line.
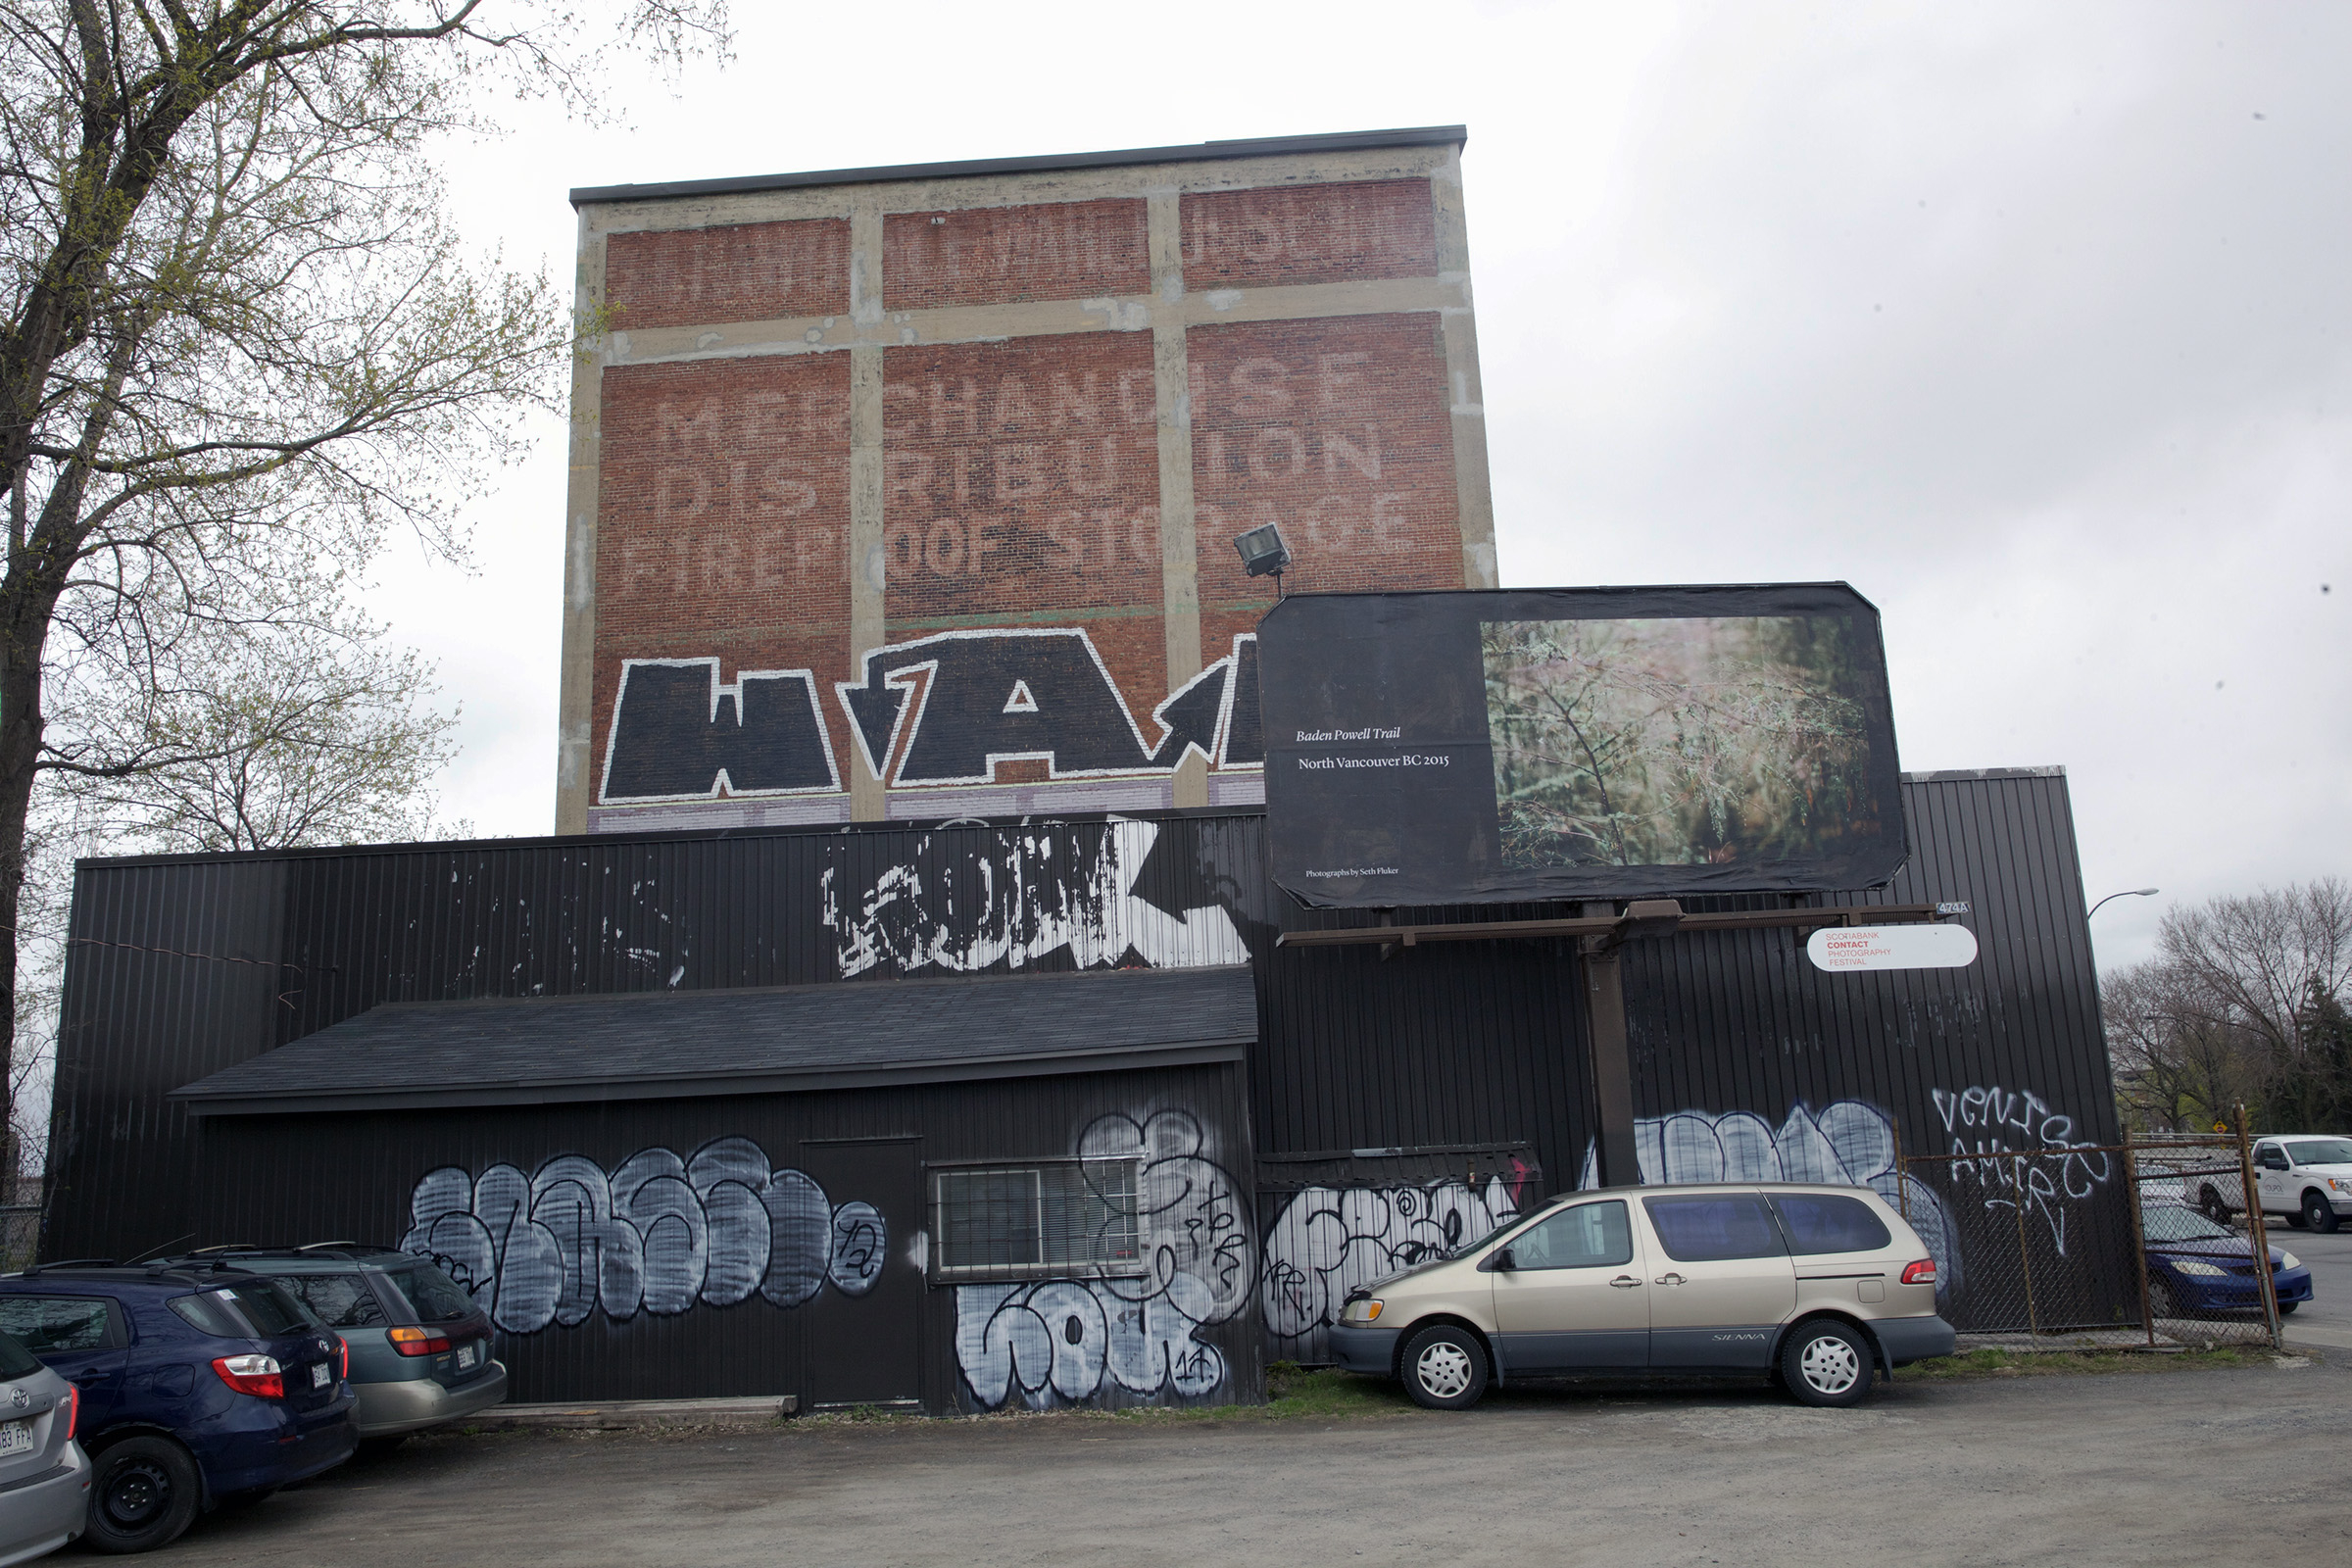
863 1328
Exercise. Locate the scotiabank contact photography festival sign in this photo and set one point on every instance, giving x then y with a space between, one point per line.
1561 743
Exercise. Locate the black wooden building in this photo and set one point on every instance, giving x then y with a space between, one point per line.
978 1114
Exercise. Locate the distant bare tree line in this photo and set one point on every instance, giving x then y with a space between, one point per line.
2243 1002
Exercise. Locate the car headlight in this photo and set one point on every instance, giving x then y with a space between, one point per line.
2340 1184
2190 1266
1363 1309
2288 1261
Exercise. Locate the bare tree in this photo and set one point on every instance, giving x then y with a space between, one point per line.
2243 1001
2177 1069
241 342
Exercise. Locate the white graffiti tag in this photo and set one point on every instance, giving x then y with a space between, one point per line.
658 1234
1085 1340
1994 1126
1028 895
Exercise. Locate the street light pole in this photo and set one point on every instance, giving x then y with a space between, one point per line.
2127 892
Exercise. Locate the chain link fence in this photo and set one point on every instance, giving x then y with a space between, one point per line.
2097 1245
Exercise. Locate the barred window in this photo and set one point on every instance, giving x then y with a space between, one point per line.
1039 1219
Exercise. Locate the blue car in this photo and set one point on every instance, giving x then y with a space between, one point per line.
2199 1269
198 1387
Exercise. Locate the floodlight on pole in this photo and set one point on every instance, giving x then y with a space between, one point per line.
1263 553
2127 892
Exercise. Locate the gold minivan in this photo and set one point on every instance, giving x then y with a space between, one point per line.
1817 1284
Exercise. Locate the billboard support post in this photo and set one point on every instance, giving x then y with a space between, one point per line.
1600 959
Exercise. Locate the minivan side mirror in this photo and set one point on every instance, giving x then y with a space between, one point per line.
1498 1261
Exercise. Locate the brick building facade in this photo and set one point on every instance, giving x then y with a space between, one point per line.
910 492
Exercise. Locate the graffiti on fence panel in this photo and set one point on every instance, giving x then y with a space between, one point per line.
1087 1340
1331 1240
1988 1125
658 1234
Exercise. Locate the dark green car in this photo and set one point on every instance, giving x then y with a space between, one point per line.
420 1346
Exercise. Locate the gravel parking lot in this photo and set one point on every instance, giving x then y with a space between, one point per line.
2018 1469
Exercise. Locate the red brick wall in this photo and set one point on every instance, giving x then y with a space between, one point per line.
749 273
1339 429
1021 476
987 255
1309 235
1024 476
723 522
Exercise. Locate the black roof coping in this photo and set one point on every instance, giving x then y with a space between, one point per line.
911 825
1255 147
1953 775
915 826
756 1040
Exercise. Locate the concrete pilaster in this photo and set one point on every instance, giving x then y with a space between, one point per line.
1474 494
1179 560
576 718
868 558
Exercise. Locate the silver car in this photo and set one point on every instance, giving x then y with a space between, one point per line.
44 1476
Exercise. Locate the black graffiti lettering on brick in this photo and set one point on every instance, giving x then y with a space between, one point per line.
679 733
1192 716
1244 734
1208 711
952 696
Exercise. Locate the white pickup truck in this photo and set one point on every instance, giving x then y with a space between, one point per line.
2307 1179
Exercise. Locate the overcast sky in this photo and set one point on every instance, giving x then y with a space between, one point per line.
2029 320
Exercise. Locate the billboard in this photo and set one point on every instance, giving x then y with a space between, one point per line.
1563 743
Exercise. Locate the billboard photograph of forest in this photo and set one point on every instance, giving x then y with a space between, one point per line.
1683 741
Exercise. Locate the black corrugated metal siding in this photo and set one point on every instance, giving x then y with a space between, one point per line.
1452 1044
281 1179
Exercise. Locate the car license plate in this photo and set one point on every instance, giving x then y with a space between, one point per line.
15 1437
467 1355
321 1376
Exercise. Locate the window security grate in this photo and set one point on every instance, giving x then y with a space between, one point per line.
1043 1220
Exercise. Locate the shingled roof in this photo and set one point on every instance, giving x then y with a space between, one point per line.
551 1050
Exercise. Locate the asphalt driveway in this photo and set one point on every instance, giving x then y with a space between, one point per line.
2173 1466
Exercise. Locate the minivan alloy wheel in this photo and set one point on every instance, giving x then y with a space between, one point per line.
1444 1369
1830 1365
1827 1362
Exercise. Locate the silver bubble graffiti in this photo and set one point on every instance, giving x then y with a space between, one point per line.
658 1234
1847 1142
1331 1240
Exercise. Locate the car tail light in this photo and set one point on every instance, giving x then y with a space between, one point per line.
418 1341
72 1410
344 1345
1922 1272
257 1375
